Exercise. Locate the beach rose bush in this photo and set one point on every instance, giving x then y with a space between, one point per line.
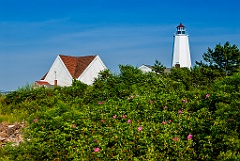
132 116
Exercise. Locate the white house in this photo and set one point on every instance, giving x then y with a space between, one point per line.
148 68
66 68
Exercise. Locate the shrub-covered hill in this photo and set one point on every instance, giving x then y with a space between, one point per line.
130 116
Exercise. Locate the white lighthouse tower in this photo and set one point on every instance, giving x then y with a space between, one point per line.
181 51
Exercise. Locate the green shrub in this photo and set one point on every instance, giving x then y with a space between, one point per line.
130 116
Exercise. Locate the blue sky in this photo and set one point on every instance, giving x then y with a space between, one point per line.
135 32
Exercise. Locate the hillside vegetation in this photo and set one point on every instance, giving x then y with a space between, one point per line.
184 115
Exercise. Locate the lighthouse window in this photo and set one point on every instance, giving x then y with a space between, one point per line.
179 32
183 32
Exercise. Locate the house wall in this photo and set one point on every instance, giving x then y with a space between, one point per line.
62 75
145 68
92 71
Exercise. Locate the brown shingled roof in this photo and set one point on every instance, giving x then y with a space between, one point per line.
42 82
44 76
76 65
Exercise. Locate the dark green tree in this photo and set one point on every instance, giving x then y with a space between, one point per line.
158 67
224 59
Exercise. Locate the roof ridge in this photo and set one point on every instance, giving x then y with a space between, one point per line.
76 56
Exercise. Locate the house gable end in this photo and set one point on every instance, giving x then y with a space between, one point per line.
92 71
59 72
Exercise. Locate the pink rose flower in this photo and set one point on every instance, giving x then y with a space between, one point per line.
96 149
124 116
129 121
165 107
207 95
100 103
164 123
189 137
102 121
35 120
180 111
175 139
140 128
115 116
169 121
185 101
